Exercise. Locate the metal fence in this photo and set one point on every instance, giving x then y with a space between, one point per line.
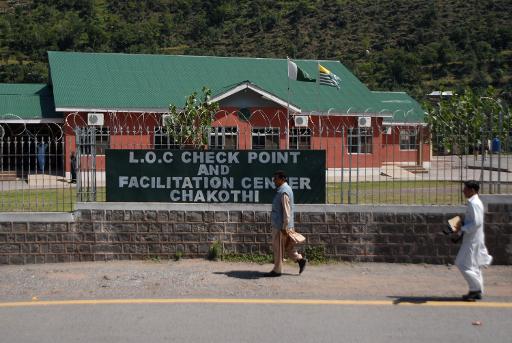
32 169
381 164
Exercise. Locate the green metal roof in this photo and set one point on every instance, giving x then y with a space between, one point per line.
137 81
26 101
404 108
130 81
24 89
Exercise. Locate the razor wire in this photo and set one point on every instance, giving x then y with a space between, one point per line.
389 162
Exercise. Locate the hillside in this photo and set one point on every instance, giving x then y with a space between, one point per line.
412 45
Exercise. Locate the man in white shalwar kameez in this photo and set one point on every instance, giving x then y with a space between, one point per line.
473 254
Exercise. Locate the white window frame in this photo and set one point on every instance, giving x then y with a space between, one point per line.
217 137
271 137
294 139
101 132
409 134
166 142
363 137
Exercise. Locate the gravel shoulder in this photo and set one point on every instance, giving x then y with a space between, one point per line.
197 278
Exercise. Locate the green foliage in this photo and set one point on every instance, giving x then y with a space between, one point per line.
191 125
153 258
215 251
315 254
250 258
412 45
19 73
178 255
463 120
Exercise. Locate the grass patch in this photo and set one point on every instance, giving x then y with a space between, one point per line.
153 259
395 192
38 200
42 200
315 255
249 258
428 192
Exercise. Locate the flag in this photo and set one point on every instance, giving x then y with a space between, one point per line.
328 78
295 73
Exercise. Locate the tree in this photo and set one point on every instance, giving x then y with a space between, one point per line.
467 120
192 124
458 44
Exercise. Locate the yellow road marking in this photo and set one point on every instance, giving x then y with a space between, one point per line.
256 301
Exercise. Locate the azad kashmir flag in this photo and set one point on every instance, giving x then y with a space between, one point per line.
297 74
327 77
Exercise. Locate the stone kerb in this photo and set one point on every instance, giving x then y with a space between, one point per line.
37 238
130 231
498 227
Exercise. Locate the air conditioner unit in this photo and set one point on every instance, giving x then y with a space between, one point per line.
95 119
166 118
364 121
301 121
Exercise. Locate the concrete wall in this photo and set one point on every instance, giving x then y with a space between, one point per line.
125 231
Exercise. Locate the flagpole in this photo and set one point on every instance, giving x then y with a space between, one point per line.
288 109
317 77
318 95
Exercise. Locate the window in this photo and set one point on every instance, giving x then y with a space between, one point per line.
98 137
162 140
408 139
300 138
360 140
265 138
225 138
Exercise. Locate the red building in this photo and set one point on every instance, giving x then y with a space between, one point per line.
118 100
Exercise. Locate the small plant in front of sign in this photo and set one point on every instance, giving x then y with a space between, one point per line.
215 251
178 255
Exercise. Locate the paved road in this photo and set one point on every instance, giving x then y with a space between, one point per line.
241 322
201 301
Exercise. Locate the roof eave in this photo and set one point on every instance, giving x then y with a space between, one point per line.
32 121
404 124
353 114
248 85
111 109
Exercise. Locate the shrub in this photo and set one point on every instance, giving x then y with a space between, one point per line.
215 251
316 254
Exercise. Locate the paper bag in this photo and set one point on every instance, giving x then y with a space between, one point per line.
295 236
455 223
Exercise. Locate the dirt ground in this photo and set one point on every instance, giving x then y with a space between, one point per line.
200 278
